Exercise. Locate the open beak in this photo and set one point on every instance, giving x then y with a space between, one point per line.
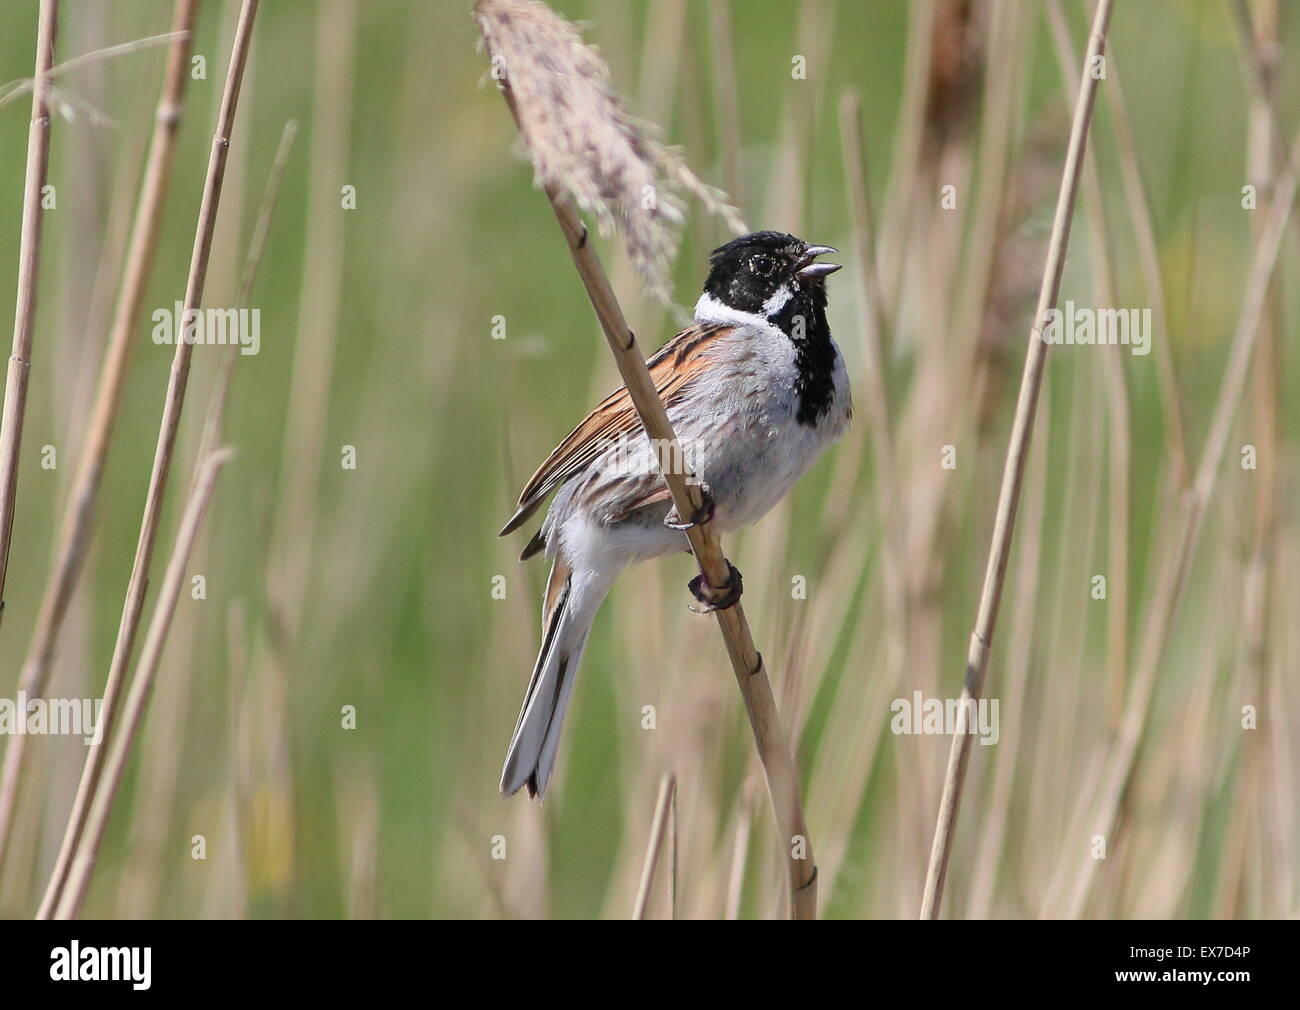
808 270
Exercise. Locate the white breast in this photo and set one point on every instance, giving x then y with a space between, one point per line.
740 425
738 429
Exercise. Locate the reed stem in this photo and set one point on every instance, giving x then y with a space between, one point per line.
1022 429
173 402
79 514
29 264
746 662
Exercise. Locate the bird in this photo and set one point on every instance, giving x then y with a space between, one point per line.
756 389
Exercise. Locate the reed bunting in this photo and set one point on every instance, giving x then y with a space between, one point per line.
755 390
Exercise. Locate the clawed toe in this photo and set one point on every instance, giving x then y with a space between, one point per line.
703 514
722 597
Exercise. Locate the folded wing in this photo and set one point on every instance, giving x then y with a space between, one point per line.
672 368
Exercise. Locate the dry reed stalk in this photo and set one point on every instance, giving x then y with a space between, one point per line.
1260 81
1261 47
751 674
661 57
15 89
635 182
78 519
687 706
739 855
140 880
1013 474
658 835
83 864
1261 588
1186 534
990 850
531 25
133 605
118 161
29 264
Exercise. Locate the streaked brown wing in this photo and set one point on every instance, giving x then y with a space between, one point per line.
672 368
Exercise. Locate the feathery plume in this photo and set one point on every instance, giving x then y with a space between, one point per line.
584 142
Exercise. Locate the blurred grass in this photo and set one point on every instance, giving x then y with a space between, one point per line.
398 616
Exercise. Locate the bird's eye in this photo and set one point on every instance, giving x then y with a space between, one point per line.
762 265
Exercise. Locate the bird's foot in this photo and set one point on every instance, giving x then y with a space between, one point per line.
722 597
703 514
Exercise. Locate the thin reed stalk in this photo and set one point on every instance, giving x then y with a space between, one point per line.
658 836
1024 630
1259 80
15 89
146 846
739 855
1013 474
83 500
83 864
751 674
29 264
173 402
1187 530
1272 866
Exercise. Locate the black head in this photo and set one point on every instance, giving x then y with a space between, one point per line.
764 273
775 277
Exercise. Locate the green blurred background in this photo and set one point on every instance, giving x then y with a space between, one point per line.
373 587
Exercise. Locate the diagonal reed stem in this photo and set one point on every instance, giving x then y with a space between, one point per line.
658 834
1188 520
1022 429
83 865
751 675
79 515
133 606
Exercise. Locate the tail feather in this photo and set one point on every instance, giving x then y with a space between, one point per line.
551 741
571 604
